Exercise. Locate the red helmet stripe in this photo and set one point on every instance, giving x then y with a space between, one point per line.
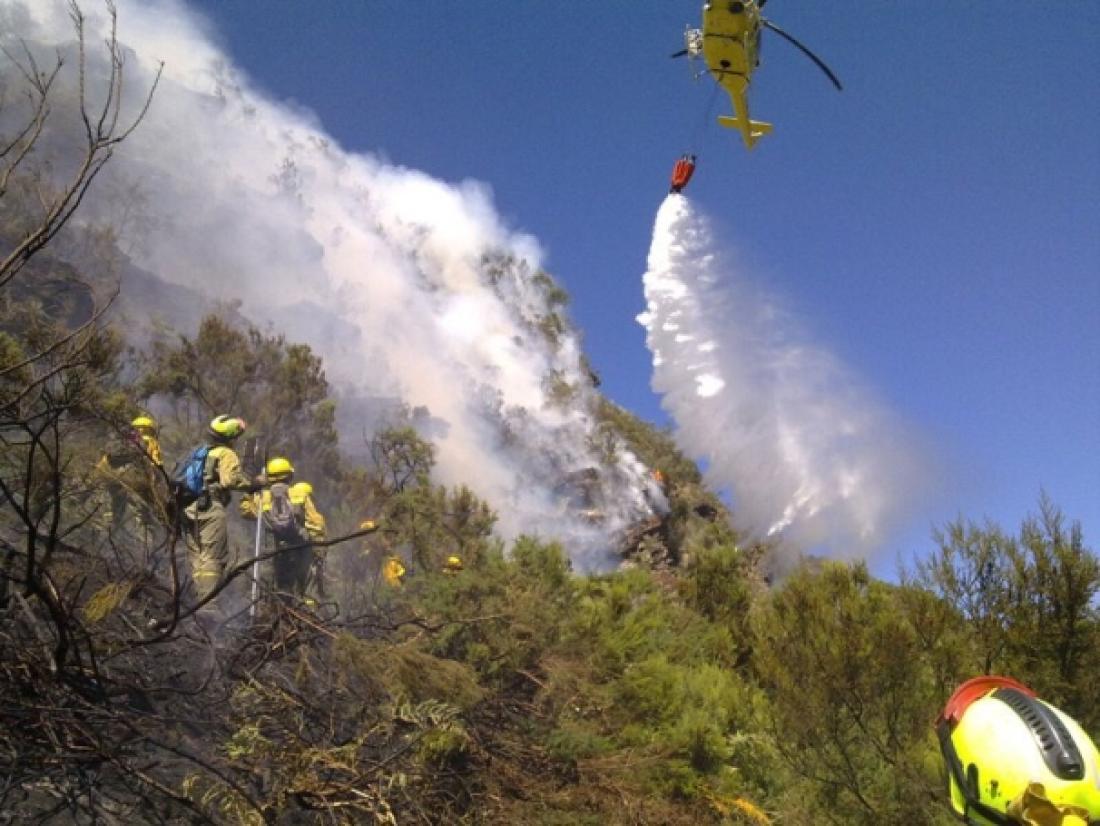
974 689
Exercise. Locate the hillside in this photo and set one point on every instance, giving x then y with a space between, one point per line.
520 603
680 688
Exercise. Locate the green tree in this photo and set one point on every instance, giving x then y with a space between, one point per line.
721 585
852 696
1054 620
1027 602
654 446
432 522
279 387
401 459
971 569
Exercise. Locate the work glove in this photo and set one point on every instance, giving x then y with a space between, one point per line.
1034 808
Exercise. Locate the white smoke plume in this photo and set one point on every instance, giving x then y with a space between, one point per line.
410 288
807 454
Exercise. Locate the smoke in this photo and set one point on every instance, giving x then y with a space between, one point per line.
807 454
411 289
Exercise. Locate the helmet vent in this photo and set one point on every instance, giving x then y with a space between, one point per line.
1059 751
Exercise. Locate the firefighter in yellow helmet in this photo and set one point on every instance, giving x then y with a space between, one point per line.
393 571
293 521
130 473
145 426
1014 760
453 565
391 568
205 520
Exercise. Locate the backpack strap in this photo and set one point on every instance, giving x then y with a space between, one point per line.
211 477
209 470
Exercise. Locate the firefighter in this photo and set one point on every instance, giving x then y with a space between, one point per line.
205 520
292 518
131 475
393 571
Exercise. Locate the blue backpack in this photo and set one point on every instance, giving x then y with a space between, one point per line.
188 477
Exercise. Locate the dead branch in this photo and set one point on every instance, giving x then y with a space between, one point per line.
102 134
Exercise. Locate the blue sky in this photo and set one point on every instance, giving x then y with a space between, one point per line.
936 225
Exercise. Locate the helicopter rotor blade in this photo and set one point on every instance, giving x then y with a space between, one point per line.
794 42
680 53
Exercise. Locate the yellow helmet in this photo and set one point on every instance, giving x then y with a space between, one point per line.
144 422
279 468
227 427
1000 743
453 563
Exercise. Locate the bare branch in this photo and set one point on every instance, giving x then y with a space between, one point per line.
100 139
37 96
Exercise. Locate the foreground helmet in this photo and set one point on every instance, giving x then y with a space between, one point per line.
279 468
144 422
999 740
454 563
227 427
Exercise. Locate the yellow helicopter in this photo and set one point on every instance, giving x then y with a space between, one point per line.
729 43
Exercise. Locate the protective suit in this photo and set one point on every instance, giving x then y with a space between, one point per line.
205 520
393 571
130 477
292 568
